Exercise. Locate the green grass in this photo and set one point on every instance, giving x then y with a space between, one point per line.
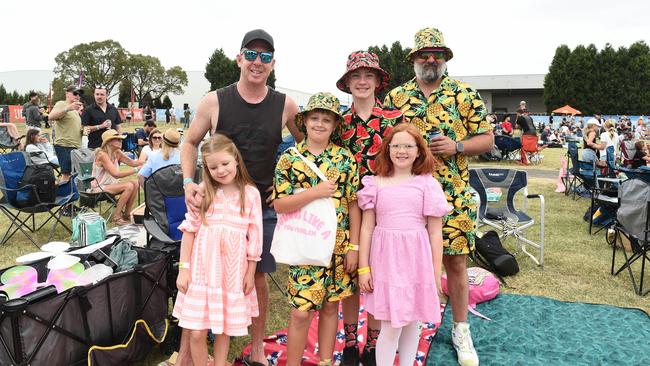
576 269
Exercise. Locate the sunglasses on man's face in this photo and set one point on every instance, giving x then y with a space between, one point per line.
251 55
76 94
424 55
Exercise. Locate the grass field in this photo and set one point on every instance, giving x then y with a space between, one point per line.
577 264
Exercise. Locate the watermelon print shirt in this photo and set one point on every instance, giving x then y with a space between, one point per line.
364 138
459 112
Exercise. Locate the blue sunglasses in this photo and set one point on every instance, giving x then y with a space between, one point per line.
251 55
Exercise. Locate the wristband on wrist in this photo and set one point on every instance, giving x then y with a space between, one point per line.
183 265
353 247
187 181
363 270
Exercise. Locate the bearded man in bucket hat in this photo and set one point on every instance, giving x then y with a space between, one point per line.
364 126
432 100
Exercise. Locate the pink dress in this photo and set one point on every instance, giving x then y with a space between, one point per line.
222 247
400 255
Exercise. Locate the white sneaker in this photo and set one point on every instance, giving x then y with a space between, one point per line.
462 340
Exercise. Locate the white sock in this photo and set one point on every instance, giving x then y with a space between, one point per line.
408 343
387 344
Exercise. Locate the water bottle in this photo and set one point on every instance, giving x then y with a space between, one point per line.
435 131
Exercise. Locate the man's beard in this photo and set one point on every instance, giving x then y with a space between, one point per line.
431 73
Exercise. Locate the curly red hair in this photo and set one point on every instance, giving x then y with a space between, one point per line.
423 164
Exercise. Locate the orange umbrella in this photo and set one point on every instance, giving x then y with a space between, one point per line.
567 109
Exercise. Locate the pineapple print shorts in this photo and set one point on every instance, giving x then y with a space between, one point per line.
310 286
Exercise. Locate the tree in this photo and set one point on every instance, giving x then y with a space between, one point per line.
394 62
103 64
221 71
149 77
556 80
3 94
166 103
124 96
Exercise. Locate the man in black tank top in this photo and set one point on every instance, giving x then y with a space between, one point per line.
253 116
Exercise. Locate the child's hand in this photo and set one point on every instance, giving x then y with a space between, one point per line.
325 189
365 283
351 261
183 280
249 284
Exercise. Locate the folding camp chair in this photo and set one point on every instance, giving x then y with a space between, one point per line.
7 143
12 167
633 223
604 199
130 145
627 154
83 161
582 174
530 149
508 146
503 215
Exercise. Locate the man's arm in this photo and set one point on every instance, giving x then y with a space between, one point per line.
290 111
206 112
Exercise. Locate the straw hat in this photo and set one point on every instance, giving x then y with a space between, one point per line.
109 135
171 137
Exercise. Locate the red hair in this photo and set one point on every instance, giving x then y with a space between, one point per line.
423 164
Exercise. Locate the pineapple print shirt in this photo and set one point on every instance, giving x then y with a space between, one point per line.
364 138
459 112
338 165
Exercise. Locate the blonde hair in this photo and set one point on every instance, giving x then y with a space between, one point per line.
610 127
167 150
218 143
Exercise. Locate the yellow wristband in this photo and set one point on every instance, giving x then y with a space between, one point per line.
183 265
353 247
363 270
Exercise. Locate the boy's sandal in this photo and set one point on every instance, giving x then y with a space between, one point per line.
246 360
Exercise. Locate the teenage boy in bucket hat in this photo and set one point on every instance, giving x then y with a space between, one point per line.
315 288
253 116
364 126
456 109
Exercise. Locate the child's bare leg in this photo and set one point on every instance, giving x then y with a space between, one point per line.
221 345
297 335
327 327
198 347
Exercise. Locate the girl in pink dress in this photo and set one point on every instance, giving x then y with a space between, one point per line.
400 255
219 252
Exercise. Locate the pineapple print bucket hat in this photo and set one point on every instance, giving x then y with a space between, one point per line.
325 101
430 38
360 60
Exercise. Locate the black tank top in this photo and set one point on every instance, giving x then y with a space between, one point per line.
256 130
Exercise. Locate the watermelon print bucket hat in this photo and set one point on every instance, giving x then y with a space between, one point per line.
359 60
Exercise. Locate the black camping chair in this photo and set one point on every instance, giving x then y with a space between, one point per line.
604 194
633 223
582 174
502 215
12 168
508 146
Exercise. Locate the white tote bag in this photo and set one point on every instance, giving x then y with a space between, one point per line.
306 236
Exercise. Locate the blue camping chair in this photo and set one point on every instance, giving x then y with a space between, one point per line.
12 168
580 174
130 145
508 146
503 215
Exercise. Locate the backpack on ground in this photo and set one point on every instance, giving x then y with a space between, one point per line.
42 177
491 255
